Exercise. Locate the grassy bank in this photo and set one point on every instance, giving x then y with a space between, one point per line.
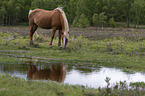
14 86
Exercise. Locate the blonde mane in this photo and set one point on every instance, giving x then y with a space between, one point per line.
66 32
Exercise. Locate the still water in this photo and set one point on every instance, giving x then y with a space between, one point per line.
71 73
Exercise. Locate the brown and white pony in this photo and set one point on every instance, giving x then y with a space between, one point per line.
55 20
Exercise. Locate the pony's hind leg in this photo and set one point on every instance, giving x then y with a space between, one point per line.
52 36
32 31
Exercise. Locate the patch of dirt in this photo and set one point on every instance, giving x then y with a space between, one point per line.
92 32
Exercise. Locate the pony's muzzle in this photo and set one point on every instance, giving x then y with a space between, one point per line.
64 41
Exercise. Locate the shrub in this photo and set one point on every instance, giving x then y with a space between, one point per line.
75 23
112 23
81 22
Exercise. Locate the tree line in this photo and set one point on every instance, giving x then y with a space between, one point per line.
80 13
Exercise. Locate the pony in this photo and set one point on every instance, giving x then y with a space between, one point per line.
53 73
55 20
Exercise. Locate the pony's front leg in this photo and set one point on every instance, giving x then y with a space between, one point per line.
52 36
59 42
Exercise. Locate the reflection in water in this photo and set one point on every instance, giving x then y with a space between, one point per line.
71 73
54 73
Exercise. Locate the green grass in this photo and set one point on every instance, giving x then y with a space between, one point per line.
14 86
117 52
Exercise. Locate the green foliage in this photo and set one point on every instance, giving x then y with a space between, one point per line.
72 11
14 40
82 22
96 19
75 23
121 89
76 43
102 17
14 11
132 11
44 4
112 23
137 6
99 19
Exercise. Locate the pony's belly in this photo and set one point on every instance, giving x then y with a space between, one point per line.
44 25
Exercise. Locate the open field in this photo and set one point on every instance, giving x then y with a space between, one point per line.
124 48
119 48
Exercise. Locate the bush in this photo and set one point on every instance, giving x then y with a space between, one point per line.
112 23
75 23
96 19
81 22
76 43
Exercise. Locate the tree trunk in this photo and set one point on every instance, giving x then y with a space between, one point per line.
98 28
16 18
6 23
102 26
135 24
9 21
3 18
127 19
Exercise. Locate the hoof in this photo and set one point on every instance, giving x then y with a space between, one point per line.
36 45
50 46
64 48
31 43
60 47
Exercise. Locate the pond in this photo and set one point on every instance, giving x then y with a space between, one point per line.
73 74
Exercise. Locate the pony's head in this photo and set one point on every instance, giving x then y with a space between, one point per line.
66 32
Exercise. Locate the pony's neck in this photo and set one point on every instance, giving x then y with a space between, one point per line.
66 26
